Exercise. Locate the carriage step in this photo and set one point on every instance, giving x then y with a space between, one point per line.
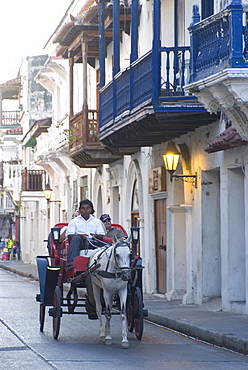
52 311
145 312
92 316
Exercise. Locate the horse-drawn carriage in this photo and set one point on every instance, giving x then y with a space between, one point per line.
114 265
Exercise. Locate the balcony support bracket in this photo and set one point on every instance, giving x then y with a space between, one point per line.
227 92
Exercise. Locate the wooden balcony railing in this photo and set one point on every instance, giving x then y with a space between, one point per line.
11 118
142 84
83 130
218 42
33 180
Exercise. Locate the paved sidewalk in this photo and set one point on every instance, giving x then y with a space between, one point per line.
206 322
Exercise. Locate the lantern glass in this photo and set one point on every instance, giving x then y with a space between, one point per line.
47 192
135 234
55 234
171 157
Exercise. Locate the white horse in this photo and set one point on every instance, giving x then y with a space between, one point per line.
112 276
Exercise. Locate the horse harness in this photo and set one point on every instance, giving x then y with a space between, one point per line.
111 275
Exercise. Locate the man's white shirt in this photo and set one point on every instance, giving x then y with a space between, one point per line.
79 225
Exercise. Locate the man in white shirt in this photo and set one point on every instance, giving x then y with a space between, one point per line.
82 229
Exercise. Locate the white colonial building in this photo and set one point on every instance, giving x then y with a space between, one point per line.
124 79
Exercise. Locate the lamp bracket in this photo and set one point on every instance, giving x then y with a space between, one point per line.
187 178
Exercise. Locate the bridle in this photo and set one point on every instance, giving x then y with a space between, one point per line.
120 272
125 271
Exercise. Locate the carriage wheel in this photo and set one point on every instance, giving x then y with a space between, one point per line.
129 310
138 313
58 311
42 316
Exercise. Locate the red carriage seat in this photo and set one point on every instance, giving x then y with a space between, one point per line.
120 227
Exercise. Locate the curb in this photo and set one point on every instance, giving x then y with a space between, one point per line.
18 272
228 341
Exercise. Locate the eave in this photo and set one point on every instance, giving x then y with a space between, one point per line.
85 26
148 127
11 89
36 130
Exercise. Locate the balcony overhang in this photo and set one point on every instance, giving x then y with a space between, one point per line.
62 161
154 125
49 166
225 91
85 149
36 130
48 79
11 89
89 157
85 25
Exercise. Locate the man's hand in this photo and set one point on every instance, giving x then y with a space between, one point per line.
96 236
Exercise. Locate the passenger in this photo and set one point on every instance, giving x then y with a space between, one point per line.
83 229
110 230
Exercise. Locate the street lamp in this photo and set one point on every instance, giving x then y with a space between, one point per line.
135 237
48 194
55 234
171 160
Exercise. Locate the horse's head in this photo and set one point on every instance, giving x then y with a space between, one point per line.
122 256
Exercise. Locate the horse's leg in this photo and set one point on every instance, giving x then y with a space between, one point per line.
108 303
123 300
97 296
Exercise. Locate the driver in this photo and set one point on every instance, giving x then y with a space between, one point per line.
82 229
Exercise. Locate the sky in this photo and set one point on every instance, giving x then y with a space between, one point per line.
25 27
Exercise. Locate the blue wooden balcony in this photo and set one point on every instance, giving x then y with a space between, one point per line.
219 55
219 42
146 103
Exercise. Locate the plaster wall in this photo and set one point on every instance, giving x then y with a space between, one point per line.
145 27
33 227
211 255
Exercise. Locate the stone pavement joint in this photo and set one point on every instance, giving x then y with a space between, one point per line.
206 322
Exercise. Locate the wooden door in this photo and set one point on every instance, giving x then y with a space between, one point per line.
160 240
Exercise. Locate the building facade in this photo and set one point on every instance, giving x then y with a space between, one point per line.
127 78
